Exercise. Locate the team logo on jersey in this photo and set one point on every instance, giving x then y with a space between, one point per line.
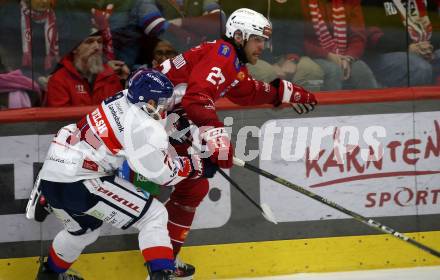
224 50
241 75
98 122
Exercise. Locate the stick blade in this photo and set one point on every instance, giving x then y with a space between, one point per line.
268 214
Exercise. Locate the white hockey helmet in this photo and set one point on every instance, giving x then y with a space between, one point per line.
249 22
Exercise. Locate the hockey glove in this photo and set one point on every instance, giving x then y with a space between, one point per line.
203 167
301 100
219 146
178 127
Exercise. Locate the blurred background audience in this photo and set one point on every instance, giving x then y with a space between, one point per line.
17 90
401 48
83 78
334 37
162 51
78 52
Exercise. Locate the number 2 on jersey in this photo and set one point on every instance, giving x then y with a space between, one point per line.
216 76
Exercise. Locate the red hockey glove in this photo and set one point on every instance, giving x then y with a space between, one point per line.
220 147
302 100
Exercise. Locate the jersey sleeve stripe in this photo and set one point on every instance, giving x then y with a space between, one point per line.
110 140
102 128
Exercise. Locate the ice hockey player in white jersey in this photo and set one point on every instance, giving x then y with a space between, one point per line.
78 176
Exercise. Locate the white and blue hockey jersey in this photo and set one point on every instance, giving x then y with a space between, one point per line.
99 143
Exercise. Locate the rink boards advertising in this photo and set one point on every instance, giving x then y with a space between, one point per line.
380 160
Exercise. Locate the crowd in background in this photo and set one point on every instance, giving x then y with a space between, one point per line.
78 52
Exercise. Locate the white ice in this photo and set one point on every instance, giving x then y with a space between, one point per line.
415 273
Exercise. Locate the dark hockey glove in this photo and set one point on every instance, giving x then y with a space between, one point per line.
202 167
178 127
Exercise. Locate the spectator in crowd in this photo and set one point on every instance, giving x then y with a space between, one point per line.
299 70
10 36
136 24
100 21
83 78
34 13
334 36
162 51
401 51
190 24
17 90
183 23
284 56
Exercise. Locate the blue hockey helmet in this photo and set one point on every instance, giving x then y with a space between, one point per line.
148 84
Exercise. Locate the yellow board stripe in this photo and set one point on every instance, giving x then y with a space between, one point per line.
255 258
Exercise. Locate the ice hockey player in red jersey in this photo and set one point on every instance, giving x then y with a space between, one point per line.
201 76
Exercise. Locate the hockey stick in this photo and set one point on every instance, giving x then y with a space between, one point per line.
264 208
356 216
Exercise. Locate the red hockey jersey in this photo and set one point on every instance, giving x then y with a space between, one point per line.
209 71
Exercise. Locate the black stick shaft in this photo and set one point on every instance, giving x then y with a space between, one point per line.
229 179
356 216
